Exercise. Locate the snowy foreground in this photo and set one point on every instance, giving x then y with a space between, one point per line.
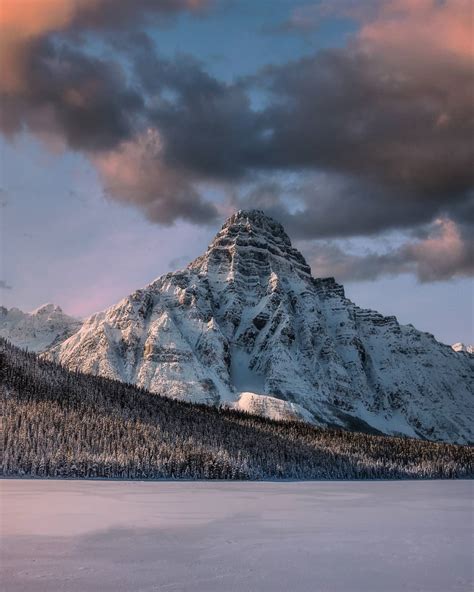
236 536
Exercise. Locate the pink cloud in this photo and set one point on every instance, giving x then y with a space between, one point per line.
426 26
444 254
22 22
135 174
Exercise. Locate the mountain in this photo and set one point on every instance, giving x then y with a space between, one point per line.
246 325
63 424
37 330
461 347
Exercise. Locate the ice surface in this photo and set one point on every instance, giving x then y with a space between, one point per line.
236 536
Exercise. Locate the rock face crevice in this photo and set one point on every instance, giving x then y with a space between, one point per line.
246 325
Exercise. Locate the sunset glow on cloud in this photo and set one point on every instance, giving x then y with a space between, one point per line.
429 25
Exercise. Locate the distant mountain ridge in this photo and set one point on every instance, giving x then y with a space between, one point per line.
37 330
246 326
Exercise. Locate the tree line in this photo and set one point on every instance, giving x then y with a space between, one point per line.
58 423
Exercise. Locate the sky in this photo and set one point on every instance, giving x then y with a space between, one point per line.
130 130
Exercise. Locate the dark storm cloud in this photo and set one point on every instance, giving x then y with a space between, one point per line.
51 82
134 173
83 99
446 252
393 133
384 168
347 111
334 205
397 151
208 126
379 136
56 86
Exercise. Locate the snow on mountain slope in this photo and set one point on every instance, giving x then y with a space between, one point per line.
461 347
247 320
37 330
271 407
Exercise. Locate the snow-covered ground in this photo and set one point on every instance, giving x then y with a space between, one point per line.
236 536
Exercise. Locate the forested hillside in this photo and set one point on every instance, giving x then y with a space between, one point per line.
67 424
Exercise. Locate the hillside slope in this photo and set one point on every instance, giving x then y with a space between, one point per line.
66 424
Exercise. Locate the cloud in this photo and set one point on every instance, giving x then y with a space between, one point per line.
57 88
330 205
391 22
393 109
446 252
4 285
389 131
352 113
380 131
135 174
309 17
23 24
430 25
375 135
82 99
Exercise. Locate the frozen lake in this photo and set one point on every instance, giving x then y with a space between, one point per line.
235 536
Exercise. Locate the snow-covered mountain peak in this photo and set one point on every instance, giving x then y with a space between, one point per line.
462 347
253 248
246 325
256 220
47 309
39 329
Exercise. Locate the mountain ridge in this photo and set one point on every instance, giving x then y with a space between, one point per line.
245 325
37 330
462 347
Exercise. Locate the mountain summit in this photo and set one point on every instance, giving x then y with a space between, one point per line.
36 330
251 244
246 325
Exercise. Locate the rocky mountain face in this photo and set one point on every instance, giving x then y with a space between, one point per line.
37 330
246 325
461 347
